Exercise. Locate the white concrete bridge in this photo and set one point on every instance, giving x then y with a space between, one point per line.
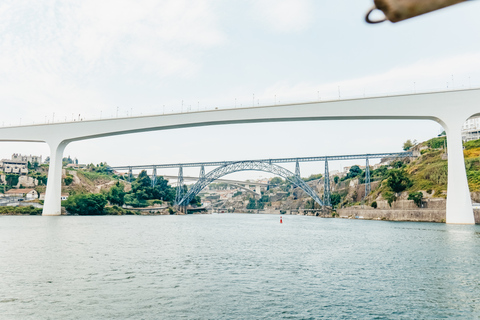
449 108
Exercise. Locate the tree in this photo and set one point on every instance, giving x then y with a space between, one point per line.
276 181
407 145
12 180
335 179
143 181
398 180
86 204
335 199
116 194
251 204
196 201
417 197
353 172
68 179
390 197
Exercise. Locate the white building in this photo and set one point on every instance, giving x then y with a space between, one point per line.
30 158
13 166
471 129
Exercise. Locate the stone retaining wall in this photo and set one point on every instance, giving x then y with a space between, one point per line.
421 215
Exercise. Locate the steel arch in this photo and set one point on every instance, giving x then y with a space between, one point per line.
247 166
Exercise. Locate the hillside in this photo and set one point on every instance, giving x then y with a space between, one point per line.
416 179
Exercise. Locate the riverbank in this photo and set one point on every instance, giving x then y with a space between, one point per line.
416 215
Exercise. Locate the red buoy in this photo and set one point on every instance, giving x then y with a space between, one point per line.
281 219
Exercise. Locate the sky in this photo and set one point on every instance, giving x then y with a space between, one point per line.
64 60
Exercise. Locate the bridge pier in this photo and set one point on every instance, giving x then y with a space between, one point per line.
52 204
154 176
459 203
326 186
368 186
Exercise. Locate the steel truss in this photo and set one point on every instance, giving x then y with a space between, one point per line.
221 171
179 195
368 186
276 160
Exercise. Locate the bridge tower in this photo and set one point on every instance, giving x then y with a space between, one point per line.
368 186
130 174
297 169
326 188
202 172
179 196
154 176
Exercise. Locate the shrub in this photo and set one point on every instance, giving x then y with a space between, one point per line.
436 143
86 204
68 179
472 144
374 204
390 197
416 197
398 180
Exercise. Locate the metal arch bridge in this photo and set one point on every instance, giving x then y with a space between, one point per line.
245 166
326 192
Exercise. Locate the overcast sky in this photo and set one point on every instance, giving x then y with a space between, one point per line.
95 59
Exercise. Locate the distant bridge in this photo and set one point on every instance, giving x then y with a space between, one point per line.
449 108
267 165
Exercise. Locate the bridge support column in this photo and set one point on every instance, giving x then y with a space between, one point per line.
130 174
53 193
154 176
326 188
459 203
179 196
297 169
368 186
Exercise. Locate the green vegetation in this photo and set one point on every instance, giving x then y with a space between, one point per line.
313 177
416 197
374 204
86 204
253 204
408 145
472 144
115 210
335 199
116 194
68 179
31 210
397 180
390 197
354 172
277 181
41 177
12 179
196 201
436 143
236 194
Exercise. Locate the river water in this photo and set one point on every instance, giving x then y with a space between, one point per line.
236 266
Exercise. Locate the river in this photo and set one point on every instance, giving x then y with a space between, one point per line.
236 266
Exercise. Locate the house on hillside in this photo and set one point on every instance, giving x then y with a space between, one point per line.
27 194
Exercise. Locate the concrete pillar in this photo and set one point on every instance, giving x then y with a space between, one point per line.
459 204
52 204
